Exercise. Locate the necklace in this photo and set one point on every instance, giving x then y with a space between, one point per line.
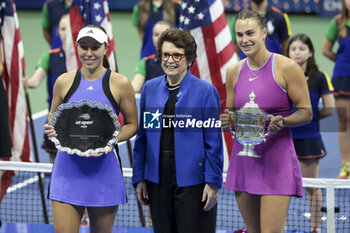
255 75
173 88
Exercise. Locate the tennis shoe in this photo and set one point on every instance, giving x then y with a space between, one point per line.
344 172
85 220
315 230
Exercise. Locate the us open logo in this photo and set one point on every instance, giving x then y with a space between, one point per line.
85 116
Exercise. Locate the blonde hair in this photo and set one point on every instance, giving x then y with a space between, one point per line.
342 30
145 8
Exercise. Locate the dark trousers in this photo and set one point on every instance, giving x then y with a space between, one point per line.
5 141
178 209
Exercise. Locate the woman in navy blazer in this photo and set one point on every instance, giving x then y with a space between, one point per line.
178 152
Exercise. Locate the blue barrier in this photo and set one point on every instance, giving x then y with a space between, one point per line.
324 8
330 8
120 5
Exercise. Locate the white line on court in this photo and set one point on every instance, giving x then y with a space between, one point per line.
23 184
37 115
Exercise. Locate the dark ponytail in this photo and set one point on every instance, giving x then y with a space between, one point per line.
105 62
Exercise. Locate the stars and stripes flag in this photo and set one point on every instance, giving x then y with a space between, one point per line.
13 62
206 21
83 12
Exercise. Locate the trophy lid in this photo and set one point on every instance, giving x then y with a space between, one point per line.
251 107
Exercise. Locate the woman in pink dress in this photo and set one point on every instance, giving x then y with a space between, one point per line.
263 186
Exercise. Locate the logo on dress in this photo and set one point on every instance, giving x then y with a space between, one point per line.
90 88
253 78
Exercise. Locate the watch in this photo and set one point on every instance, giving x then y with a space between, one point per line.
284 122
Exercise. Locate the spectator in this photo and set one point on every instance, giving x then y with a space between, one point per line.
148 12
50 17
338 30
51 65
150 67
307 138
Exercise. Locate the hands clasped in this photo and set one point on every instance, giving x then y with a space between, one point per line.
276 124
227 120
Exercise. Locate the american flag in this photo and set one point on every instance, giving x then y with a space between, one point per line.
83 12
13 61
206 21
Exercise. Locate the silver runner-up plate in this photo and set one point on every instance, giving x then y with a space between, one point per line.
85 127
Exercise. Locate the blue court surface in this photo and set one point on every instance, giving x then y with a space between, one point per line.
48 228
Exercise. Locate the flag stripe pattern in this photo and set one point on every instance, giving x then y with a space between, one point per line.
14 65
83 12
206 21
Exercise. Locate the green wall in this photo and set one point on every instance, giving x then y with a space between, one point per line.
128 45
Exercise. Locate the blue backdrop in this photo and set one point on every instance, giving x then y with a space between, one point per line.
113 4
325 8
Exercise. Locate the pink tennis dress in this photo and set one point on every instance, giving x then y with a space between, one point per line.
277 172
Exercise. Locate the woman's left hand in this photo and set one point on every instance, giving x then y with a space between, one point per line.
210 196
276 124
102 153
50 130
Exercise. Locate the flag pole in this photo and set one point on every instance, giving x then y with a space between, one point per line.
36 155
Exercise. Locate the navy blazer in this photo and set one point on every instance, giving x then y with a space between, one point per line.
197 135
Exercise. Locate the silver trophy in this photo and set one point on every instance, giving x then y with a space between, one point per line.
250 122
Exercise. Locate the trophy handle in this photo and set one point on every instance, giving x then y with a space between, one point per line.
232 114
271 118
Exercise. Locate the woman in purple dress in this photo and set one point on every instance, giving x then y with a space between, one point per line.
95 181
263 186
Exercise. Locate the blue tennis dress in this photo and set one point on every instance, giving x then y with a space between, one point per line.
88 181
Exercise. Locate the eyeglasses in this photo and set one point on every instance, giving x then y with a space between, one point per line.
176 57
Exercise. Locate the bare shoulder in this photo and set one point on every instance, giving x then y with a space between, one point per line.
285 64
233 70
65 78
119 80
235 67
287 71
62 86
121 87
64 82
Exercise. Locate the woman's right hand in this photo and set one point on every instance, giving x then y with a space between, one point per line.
227 120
